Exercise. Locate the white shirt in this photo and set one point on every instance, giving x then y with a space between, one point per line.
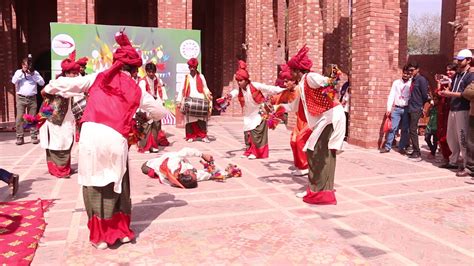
27 86
103 152
334 116
347 100
252 117
58 137
175 161
194 93
399 94
142 85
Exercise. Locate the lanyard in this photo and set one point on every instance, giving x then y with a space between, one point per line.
456 88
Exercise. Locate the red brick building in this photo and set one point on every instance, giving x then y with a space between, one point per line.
367 38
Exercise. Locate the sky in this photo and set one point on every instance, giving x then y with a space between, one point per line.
418 7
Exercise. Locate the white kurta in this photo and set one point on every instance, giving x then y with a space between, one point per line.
142 85
176 160
252 117
194 93
334 116
58 138
103 152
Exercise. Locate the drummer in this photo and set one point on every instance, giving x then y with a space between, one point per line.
195 86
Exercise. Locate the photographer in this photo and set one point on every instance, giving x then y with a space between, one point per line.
26 81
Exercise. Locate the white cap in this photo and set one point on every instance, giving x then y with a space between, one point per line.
463 54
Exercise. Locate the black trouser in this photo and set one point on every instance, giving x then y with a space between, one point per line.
470 145
431 134
414 118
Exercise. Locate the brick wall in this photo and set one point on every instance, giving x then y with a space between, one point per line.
73 11
177 14
375 64
8 61
465 15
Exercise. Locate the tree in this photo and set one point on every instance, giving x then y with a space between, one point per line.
424 34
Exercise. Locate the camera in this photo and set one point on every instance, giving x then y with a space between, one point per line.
30 63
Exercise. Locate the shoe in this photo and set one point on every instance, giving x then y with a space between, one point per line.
34 140
301 194
189 140
402 151
448 166
243 156
14 184
299 172
19 141
252 156
416 157
384 150
100 245
154 150
431 157
462 173
206 140
125 240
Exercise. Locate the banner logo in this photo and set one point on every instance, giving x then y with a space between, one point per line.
189 49
63 44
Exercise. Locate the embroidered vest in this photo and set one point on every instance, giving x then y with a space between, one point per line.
316 102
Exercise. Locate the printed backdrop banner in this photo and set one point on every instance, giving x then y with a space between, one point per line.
169 49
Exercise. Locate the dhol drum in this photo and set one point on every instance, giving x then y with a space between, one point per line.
78 108
195 107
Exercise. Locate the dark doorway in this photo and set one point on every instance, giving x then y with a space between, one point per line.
125 12
222 25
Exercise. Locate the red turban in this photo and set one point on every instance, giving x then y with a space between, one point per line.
82 61
70 64
285 72
301 60
193 62
126 53
242 73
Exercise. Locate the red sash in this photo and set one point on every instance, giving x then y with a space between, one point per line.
171 176
316 101
257 95
187 87
156 85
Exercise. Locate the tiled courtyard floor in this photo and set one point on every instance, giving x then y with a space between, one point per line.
390 211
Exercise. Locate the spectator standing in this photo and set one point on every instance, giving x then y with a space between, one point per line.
26 82
397 109
459 112
418 97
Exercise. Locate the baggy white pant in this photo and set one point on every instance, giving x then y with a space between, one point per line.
457 135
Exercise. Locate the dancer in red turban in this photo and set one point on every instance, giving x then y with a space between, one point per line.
326 119
107 124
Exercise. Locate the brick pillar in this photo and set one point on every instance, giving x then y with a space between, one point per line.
75 11
465 15
175 14
375 64
336 33
305 26
262 41
403 34
8 61
448 13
